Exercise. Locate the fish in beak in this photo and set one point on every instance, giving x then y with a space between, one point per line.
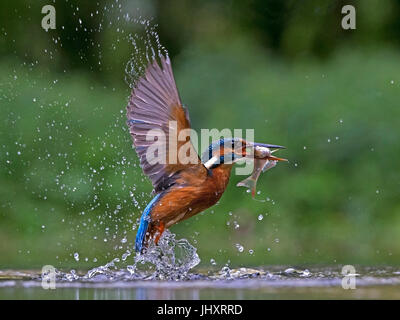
265 151
263 161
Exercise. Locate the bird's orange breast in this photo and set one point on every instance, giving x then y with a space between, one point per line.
183 201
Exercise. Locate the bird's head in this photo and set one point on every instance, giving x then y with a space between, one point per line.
230 150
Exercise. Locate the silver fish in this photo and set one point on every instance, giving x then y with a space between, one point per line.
260 165
263 161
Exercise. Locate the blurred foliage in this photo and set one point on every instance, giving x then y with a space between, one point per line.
70 181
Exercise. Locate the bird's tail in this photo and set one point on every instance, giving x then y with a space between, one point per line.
144 224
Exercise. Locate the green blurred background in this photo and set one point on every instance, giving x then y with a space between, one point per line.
70 180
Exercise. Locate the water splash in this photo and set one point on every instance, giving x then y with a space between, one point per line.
171 259
108 270
146 48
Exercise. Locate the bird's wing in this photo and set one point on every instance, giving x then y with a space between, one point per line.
153 104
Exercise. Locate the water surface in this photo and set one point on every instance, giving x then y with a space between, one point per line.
274 282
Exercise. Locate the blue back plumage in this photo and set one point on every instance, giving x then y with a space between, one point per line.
144 223
216 145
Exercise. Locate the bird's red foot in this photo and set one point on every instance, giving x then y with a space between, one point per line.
160 228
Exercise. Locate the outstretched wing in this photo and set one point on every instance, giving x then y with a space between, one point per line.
155 106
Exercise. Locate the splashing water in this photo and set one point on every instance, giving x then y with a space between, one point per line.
146 48
171 258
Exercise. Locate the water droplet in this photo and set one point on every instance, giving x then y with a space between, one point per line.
126 255
239 247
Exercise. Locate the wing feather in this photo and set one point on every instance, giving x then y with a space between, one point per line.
153 103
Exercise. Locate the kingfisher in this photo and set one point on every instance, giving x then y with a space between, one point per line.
182 188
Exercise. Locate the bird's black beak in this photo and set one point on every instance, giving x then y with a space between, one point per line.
269 146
